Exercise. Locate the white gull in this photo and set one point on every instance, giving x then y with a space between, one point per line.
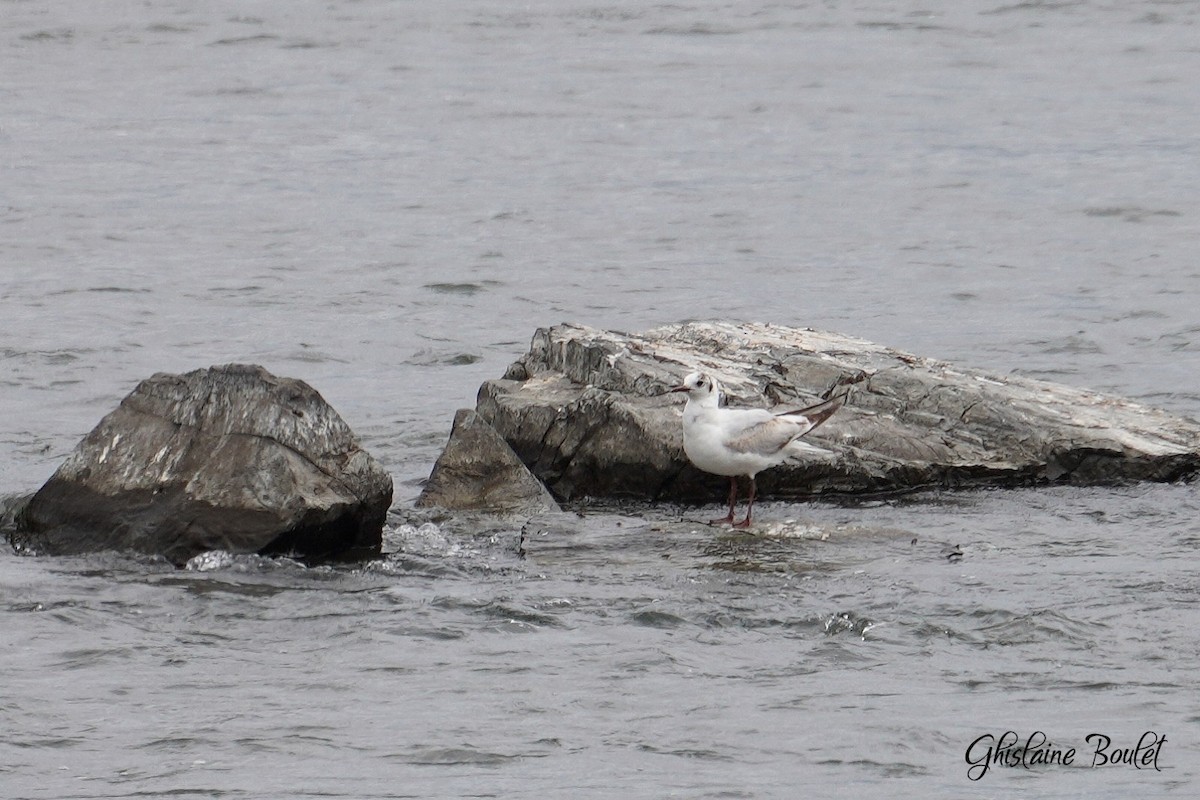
743 441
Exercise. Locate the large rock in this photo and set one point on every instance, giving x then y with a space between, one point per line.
585 410
227 458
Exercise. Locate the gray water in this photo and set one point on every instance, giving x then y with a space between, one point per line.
386 198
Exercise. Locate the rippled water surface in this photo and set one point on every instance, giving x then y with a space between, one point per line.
386 198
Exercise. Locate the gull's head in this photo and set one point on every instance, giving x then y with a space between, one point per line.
700 387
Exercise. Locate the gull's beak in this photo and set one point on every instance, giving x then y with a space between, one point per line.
678 389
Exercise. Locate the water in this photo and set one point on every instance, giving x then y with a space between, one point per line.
386 198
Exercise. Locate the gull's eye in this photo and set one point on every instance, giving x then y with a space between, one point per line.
699 384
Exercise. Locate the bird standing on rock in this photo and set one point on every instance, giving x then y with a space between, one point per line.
743 441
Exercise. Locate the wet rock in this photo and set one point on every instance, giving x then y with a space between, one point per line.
585 410
227 458
478 471
11 509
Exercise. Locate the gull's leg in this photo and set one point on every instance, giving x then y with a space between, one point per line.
728 518
749 508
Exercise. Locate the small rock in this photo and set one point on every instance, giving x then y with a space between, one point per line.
478 471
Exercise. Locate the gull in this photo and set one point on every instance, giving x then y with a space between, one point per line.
743 441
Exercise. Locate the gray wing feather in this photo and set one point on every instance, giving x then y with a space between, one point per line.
816 414
770 436
775 433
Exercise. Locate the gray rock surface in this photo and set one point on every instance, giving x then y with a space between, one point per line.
478 471
227 458
585 410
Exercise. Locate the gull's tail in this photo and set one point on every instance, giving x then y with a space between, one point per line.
798 447
813 416
820 412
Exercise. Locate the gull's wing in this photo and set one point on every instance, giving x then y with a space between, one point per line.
816 414
767 437
769 433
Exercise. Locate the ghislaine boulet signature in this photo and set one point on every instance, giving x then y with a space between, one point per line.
1007 750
